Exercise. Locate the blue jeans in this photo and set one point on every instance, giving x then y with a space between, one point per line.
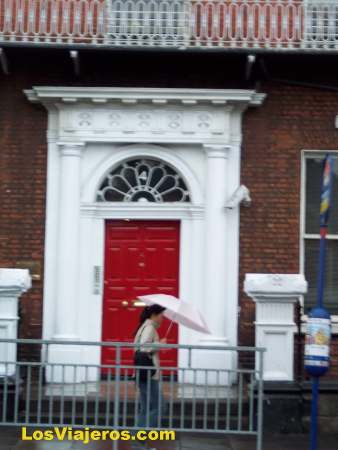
152 404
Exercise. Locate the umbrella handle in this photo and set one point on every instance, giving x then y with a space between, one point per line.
169 328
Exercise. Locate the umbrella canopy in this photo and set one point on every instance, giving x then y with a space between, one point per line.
178 311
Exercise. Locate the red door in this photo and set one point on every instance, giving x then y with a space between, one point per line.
141 257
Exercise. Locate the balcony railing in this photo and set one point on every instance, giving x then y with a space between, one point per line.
308 25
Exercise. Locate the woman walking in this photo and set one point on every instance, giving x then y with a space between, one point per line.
151 398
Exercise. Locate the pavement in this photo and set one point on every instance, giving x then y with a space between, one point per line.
10 440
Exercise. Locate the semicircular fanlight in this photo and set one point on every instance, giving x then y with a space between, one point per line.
143 180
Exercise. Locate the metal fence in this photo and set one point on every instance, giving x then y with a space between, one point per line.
192 397
279 25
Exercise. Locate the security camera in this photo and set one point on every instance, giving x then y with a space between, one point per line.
241 195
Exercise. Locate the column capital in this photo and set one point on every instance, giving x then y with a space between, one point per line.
275 288
52 136
14 281
197 212
217 150
71 148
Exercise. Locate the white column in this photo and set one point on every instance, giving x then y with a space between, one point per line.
13 283
215 240
215 262
192 254
51 235
232 231
275 296
68 242
67 267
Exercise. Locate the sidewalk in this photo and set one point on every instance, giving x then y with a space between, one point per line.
9 440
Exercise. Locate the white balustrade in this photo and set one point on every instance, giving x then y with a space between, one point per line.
13 283
275 296
237 24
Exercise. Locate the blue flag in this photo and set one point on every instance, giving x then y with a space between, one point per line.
326 192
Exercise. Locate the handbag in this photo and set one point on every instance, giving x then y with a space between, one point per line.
143 359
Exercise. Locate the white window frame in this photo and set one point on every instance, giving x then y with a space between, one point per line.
306 154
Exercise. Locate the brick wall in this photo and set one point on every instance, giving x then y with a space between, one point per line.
22 194
292 118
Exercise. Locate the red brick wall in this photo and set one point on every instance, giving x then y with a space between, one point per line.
291 119
22 194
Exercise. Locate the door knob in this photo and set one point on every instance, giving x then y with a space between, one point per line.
138 303
124 303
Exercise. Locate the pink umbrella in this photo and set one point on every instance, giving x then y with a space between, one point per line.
178 311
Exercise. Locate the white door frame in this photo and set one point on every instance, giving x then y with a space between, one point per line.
92 256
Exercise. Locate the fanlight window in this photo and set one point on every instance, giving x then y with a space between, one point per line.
143 180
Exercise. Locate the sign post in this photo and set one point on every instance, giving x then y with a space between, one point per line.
318 333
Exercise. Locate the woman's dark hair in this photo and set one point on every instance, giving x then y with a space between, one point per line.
147 312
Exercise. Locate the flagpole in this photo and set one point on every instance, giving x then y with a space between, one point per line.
322 267
314 413
326 194
320 298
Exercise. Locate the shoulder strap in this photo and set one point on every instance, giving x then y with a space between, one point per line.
139 338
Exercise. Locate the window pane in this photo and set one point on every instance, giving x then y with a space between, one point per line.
311 273
314 170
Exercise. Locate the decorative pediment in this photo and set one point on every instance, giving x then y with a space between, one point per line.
136 115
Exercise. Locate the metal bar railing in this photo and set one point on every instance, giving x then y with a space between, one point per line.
49 342
303 25
260 402
186 398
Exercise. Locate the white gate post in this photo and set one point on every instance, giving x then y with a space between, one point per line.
13 283
275 296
